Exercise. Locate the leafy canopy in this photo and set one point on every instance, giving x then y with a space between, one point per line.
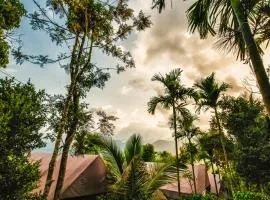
10 16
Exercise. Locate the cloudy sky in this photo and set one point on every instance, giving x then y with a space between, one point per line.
166 45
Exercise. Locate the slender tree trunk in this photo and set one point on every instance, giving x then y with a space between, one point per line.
256 59
76 98
176 150
214 174
57 143
227 166
218 173
193 170
68 142
193 177
61 125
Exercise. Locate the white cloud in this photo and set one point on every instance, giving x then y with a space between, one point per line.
126 90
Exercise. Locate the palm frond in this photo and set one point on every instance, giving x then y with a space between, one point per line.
211 17
163 101
209 91
160 174
198 18
182 110
159 4
113 155
131 182
133 147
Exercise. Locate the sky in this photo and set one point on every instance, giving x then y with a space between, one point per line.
159 49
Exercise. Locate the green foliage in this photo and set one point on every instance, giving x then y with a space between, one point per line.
210 92
198 197
249 196
148 153
130 177
211 147
10 16
86 143
22 115
163 157
245 119
18 177
219 18
175 93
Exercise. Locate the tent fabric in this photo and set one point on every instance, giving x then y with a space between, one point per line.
85 175
202 178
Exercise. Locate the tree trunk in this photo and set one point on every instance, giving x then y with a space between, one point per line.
256 59
57 143
224 150
68 142
176 151
193 170
214 174
194 178
62 125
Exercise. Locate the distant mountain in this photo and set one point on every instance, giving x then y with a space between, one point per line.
164 145
120 144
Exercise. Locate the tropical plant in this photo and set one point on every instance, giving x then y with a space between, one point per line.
174 97
237 22
242 26
130 177
187 130
210 91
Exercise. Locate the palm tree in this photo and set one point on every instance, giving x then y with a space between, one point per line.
237 23
130 177
175 96
209 91
188 130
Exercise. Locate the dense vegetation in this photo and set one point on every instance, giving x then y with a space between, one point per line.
235 149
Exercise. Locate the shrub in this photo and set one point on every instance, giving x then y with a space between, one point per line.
198 197
249 196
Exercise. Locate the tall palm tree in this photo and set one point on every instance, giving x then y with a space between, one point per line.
130 177
237 23
210 91
234 15
174 97
188 130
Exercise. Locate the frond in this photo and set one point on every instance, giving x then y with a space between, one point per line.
182 110
160 174
159 4
182 93
163 101
174 75
209 91
224 87
133 147
113 155
131 182
158 77
170 78
217 16
198 18
232 42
